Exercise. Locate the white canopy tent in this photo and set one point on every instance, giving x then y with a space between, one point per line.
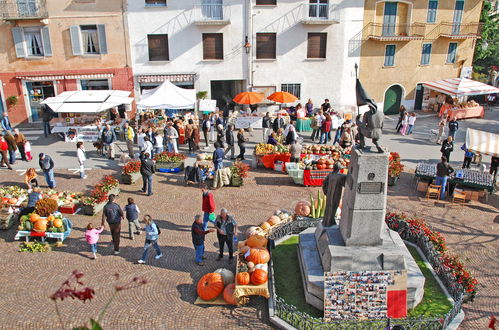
167 96
482 142
90 101
458 87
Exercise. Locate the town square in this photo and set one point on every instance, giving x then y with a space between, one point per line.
281 164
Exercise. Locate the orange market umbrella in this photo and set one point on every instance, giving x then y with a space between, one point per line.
248 98
282 97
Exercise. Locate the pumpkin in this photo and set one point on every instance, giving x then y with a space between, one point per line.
57 222
227 275
243 278
259 276
264 267
12 201
265 225
40 225
274 220
34 217
50 218
256 241
259 256
229 294
250 264
302 208
210 286
253 230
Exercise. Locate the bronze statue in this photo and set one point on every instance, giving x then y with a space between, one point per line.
370 127
332 187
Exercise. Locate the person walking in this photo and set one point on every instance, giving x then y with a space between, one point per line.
440 101
278 123
113 215
208 205
494 163
198 232
152 235
441 129
20 142
92 237
443 171
47 165
190 136
405 124
80 154
401 117
411 121
229 138
147 147
141 135
171 136
266 121
226 229
132 215
314 126
447 148
129 136
325 129
12 147
468 156
241 142
220 135
5 122
47 116
158 143
108 139
4 149
218 157
453 127
147 169
206 127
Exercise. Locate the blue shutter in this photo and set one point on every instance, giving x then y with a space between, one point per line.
390 55
432 11
74 32
426 54
101 31
451 54
18 36
47 49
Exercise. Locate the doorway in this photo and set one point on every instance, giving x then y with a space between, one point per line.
224 91
393 99
418 102
37 92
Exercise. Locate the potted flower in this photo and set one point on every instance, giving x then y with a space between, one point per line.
110 185
395 167
169 160
131 172
98 197
239 172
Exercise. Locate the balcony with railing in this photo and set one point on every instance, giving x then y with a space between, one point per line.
23 9
319 14
394 32
460 31
211 12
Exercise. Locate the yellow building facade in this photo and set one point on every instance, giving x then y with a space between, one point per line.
405 43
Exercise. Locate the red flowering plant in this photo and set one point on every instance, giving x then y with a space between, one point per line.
74 288
240 169
395 166
109 182
99 193
132 166
169 157
417 228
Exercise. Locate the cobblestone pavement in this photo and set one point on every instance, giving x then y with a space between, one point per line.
26 280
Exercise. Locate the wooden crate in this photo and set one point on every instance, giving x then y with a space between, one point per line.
422 186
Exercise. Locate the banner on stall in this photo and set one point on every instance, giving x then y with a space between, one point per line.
207 105
246 122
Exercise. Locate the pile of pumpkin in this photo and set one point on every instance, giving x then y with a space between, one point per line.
253 257
278 217
33 222
212 285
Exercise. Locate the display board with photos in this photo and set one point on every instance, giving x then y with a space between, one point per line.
360 295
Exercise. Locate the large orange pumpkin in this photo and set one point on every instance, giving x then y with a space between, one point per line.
302 208
40 225
259 276
34 217
274 220
265 225
229 294
259 256
256 241
243 278
210 286
57 222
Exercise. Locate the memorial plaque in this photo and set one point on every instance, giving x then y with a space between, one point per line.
370 187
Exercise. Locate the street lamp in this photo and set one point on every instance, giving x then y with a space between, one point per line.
247 45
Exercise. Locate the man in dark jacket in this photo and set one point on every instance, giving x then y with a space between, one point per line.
108 138
47 115
266 123
147 170
198 233
11 142
113 214
447 148
226 229
278 123
229 138
453 127
47 165
443 172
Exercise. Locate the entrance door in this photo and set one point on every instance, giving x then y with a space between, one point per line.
37 92
393 98
389 18
458 16
224 91
418 102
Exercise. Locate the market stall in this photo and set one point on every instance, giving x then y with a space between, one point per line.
463 110
482 142
304 124
79 111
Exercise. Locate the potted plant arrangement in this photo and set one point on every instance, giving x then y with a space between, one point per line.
95 202
395 167
169 160
131 172
239 172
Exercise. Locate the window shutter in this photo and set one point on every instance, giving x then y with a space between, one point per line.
213 46
74 32
101 31
317 45
47 49
265 45
266 2
18 35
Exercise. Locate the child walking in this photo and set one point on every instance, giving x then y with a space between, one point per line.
411 121
92 236
405 124
132 215
152 234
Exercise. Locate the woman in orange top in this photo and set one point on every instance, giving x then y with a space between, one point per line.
29 176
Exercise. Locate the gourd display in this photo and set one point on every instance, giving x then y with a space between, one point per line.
34 217
40 225
258 256
57 223
253 230
265 225
259 276
243 278
302 208
256 241
229 294
46 206
210 286
227 275
274 220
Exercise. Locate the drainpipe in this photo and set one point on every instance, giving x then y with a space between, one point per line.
249 29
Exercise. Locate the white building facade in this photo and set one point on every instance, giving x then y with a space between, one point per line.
228 46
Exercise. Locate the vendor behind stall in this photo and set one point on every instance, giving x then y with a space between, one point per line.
33 197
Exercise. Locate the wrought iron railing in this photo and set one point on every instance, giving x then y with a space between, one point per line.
211 10
291 315
23 9
460 30
402 31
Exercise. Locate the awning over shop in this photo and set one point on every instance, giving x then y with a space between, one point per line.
88 101
482 142
167 96
164 77
59 77
460 87
40 78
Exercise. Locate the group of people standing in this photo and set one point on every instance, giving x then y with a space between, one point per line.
406 121
11 141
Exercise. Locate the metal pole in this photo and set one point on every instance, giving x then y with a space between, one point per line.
356 68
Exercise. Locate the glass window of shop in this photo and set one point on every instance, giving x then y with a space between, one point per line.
37 92
94 84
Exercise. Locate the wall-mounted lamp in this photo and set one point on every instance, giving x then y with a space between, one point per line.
247 45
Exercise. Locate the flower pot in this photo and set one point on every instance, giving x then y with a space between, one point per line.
94 209
392 180
236 181
114 190
130 178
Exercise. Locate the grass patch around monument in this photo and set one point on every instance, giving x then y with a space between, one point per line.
287 276
435 301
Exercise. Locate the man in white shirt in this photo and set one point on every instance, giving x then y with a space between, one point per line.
171 137
147 147
80 153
